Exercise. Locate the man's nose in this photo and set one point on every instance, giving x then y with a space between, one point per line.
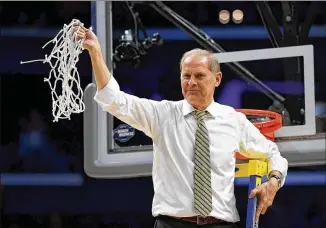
192 81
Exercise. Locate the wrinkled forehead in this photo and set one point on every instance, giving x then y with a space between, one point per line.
193 61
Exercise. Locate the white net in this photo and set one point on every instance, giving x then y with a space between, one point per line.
64 76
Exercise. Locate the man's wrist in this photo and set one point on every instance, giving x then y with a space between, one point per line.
95 51
275 180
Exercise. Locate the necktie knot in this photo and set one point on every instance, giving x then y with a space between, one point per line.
199 114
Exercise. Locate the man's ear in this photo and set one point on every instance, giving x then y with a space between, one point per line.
218 79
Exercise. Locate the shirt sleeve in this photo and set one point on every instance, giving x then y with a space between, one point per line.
253 139
140 113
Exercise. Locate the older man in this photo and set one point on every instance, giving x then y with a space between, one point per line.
194 141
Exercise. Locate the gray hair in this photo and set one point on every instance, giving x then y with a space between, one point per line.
213 64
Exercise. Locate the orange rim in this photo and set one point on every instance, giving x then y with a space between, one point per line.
267 128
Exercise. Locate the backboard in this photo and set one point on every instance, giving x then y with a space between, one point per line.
110 157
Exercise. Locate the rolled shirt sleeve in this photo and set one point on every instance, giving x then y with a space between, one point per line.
253 139
142 114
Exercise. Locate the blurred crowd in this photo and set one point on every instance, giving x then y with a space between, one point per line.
30 141
37 150
42 14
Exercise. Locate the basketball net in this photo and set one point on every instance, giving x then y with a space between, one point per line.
62 60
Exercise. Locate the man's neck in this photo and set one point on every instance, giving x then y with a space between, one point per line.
203 107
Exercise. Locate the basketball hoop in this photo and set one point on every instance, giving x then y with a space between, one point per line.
266 121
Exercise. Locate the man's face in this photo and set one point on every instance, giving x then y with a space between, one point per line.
198 82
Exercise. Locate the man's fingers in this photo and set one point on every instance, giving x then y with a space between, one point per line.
78 28
267 204
264 200
85 29
262 207
253 193
264 210
258 211
80 35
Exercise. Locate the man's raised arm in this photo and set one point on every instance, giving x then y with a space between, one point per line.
143 114
101 72
91 44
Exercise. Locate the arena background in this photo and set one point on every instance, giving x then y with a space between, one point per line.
62 195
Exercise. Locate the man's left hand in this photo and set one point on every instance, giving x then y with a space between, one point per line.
265 193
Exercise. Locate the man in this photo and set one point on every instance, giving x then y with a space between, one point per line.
194 141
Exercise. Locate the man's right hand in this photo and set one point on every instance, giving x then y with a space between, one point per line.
101 72
91 42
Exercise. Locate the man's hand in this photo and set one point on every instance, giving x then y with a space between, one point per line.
91 42
101 72
265 193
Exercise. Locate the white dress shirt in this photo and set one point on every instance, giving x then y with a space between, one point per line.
172 129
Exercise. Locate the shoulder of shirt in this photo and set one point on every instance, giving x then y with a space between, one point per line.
174 107
228 110
167 105
225 109
172 104
168 102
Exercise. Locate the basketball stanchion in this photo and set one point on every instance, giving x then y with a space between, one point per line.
257 166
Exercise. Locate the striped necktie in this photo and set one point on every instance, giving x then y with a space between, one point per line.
202 167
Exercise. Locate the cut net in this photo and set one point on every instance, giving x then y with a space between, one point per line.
62 60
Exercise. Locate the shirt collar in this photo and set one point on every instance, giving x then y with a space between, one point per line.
188 108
